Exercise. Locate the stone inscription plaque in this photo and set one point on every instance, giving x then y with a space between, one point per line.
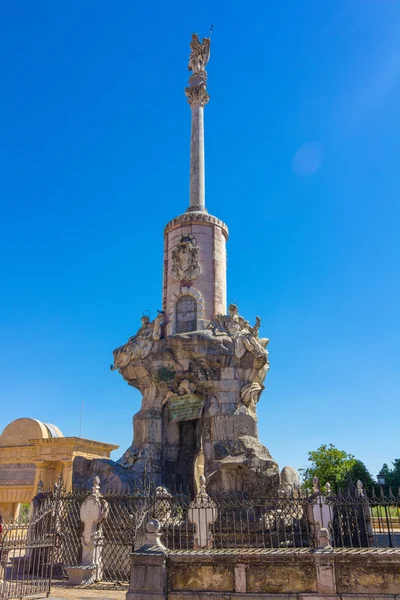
185 408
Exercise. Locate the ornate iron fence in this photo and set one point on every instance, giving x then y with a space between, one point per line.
27 550
286 520
36 552
122 531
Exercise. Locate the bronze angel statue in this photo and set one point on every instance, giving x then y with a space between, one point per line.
200 54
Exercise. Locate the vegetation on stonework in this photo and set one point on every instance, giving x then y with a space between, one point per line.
336 467
165 374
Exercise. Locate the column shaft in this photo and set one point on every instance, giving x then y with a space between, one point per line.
197 175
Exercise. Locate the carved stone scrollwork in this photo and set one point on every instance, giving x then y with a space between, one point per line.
197 95
250 394
185 260
139 346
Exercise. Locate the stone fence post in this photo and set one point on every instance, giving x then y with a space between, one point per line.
92 513
148 580
319 516
202 513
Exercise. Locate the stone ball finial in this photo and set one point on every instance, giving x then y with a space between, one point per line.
153 526
202 480
96 480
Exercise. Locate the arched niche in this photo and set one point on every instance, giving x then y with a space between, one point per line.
172 310
185 314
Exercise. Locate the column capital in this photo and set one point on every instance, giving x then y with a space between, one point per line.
197 95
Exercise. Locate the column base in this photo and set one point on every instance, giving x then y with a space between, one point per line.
197 208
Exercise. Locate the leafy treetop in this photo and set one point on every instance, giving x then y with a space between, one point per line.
392 476
335 466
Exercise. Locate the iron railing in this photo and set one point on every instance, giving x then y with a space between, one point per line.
353 519
27 550
283 520
122 530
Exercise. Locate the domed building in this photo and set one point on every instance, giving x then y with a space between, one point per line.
31 450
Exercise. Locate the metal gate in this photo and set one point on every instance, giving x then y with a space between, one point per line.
27 550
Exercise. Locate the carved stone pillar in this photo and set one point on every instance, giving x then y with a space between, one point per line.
202 513
197 97
67 467
45 474
93 511
148 580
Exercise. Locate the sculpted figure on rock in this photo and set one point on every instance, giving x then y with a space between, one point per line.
185 387
250 394
244 335
140 344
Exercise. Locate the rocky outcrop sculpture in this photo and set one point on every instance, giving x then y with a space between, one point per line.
200 392
139 345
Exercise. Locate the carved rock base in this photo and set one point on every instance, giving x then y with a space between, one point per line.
213 429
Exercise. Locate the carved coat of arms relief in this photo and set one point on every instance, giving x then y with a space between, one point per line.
185 259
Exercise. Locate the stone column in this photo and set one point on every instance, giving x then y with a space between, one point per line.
67 467
148 580
197 97
45 474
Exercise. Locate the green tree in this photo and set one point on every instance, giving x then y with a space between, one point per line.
336 467
396 473
392 476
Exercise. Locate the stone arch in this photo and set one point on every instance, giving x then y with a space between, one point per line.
185 291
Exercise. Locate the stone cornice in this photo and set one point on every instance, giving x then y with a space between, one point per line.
194 218
75 441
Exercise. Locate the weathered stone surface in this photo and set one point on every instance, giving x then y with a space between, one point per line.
211 365
278 578
302 574
378 574
112 475
218 578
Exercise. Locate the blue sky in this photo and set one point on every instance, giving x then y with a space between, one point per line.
302 163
